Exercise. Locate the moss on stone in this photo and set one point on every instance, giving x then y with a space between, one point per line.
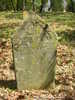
35 57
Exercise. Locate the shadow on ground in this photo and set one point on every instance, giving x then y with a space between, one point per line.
68 36
12 84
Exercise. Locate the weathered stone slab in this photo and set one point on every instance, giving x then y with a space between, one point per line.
34 48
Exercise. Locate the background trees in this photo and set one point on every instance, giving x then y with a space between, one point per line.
42 5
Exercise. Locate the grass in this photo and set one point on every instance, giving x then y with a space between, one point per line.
11 15
9 21
66 18
61 23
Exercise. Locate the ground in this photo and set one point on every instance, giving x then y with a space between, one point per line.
63 24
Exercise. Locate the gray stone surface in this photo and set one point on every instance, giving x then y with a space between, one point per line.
34 48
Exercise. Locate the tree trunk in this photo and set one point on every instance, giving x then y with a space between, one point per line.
64 5
33 3
45 5
19 4
12 5
73 5
57 5
70 6
24 3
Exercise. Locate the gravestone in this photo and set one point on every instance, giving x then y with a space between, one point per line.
34 50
